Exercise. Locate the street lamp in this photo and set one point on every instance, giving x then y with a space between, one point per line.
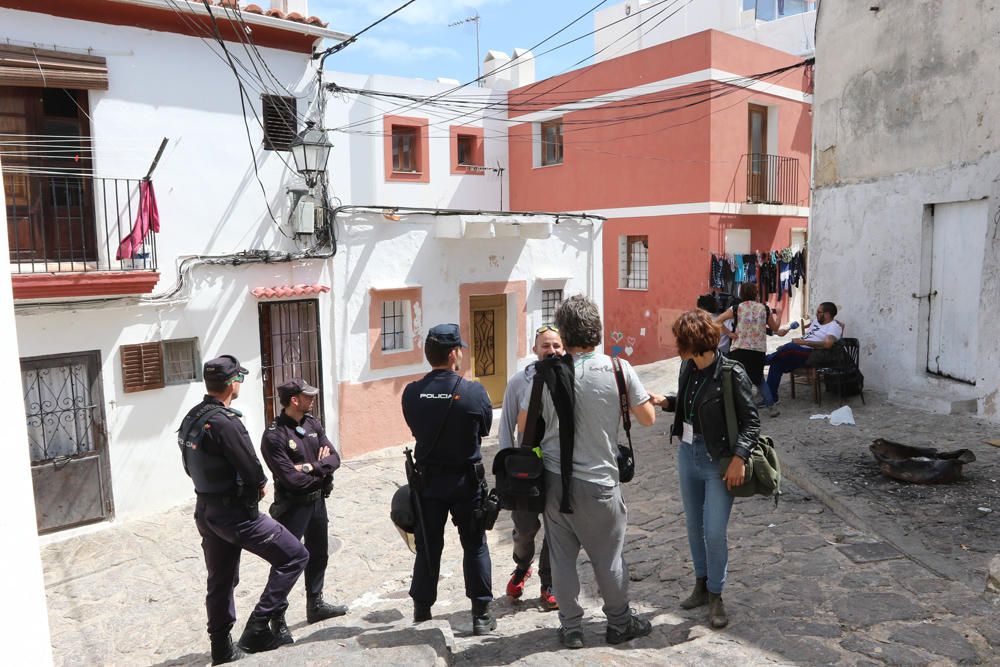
311 150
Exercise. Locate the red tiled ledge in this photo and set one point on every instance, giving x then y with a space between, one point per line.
91 283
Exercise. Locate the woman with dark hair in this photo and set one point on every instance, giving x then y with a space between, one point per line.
701 424
750 340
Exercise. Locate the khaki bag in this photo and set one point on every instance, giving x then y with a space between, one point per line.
763 469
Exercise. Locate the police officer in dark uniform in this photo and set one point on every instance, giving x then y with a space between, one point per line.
219 456
302 460
448 417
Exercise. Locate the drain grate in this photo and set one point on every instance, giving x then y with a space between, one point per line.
870 552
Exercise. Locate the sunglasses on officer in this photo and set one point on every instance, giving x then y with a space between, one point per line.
236 378
546 327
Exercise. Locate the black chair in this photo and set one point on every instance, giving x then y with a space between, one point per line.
846 376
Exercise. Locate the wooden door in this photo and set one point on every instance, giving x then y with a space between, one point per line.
70 470
488 315
289 348
757 166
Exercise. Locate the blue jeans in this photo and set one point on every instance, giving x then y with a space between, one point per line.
707 505
785 359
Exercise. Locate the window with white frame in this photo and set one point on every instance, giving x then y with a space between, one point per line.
633 262
181 361
551 298
396 325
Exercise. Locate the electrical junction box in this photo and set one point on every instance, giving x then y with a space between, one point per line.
304 219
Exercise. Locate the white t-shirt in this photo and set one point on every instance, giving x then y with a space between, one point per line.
819 332
518 391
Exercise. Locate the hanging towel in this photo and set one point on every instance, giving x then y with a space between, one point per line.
146 220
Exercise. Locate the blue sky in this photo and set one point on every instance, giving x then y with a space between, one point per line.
417 42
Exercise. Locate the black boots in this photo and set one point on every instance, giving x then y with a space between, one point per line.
257 636
482 622
699 596
317 610
717 612
223 648
280 628
421 612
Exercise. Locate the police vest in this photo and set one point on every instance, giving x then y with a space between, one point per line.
211 473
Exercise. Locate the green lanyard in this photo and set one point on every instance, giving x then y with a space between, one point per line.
689 409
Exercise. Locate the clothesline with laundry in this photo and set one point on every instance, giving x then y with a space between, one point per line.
774 272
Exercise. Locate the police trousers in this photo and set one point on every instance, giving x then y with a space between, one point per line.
437 502
310 521
226 530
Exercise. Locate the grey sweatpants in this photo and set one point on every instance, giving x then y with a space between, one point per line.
598 525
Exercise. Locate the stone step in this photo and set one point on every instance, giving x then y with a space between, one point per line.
934 403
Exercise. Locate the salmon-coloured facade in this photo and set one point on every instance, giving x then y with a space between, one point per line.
675 145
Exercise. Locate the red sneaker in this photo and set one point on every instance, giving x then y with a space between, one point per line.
515 587
548 599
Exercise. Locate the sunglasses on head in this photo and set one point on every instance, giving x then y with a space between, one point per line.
547 327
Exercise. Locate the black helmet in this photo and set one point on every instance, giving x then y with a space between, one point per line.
402 515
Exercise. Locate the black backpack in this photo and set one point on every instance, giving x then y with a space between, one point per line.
520 475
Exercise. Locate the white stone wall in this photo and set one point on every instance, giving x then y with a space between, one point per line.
898 126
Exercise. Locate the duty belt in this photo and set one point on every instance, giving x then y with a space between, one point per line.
302 499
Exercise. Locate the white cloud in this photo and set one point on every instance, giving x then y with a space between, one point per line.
396 50
353 15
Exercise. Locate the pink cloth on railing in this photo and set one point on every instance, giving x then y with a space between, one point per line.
146 220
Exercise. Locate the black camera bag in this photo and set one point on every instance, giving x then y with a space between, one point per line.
520 475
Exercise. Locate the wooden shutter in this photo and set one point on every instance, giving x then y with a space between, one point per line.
280 121
39 68
142 366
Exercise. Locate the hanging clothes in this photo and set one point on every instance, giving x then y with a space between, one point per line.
146 219
741 275
768 278
715 273
785 277
798 269
727 275
750 267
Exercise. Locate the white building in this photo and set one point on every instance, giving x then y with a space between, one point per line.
786 25
905 208
111 349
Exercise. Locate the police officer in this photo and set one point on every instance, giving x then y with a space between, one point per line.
302 460
219 457
448 417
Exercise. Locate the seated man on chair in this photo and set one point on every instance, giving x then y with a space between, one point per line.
821 334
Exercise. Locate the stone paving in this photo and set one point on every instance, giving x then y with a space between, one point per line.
133 594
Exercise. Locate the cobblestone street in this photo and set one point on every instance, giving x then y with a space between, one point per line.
806 587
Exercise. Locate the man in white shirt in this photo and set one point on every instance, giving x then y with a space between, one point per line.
527 524
821 334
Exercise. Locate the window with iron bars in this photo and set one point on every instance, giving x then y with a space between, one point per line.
633 262
551 298
394 325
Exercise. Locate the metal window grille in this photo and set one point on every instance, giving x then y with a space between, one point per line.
181 361
551 298
404 149
394 325
280 121
552 142
60 406
634 263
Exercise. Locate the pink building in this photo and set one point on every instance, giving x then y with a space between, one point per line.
696 146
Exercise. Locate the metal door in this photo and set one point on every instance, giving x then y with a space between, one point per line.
488 315
289 348
958 238
64 405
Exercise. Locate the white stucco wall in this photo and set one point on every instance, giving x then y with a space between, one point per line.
900 126
638 24
21 575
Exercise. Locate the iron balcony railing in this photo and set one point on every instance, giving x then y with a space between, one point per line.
69 223
772 179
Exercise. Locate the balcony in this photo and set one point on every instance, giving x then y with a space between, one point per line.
64 232
772 179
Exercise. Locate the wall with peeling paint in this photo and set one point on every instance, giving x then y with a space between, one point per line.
902 124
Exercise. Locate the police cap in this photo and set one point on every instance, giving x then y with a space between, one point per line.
223 369
295 387
447 335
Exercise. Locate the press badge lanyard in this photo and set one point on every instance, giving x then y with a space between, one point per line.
688 434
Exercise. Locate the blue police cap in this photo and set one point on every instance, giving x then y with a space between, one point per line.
223 368
294 387
446 334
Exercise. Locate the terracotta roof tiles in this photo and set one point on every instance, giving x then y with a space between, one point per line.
284 291
276 13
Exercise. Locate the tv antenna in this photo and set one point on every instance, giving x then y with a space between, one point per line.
473 19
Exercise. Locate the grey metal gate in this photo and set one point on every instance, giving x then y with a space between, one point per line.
289 348
64 406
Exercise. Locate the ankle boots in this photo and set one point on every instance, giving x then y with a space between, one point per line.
482 622
717 617
280 628
257 636
699 596
223 648
317 610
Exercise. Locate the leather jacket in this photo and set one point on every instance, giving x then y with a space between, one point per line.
712 412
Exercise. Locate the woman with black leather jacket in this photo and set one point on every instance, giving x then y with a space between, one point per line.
704 442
